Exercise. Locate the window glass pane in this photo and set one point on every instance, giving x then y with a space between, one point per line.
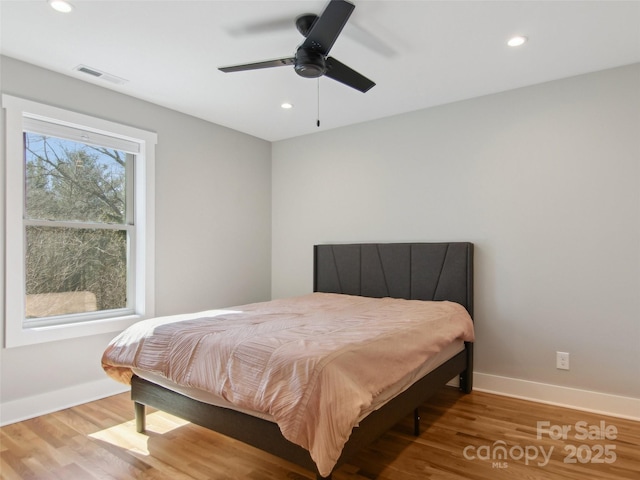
67 180
74 270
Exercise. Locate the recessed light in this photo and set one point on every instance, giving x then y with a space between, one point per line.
286 105
517 41
61 6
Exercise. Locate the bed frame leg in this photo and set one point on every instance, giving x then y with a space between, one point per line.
416 422
466 377
141 417
465 382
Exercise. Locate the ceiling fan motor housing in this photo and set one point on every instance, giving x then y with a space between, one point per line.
309 63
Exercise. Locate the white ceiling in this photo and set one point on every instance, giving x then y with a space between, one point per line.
420 53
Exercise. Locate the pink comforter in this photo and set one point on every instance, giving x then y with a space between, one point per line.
314 362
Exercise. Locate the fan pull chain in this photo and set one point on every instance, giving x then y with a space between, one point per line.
318 120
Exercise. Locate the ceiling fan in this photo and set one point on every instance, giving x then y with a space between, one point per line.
311 59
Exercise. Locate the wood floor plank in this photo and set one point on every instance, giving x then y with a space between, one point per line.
461 439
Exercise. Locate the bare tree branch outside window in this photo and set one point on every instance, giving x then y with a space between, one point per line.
74 183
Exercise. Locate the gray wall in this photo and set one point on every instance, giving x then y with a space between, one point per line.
213 221
545 181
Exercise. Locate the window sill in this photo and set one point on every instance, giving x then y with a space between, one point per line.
19 337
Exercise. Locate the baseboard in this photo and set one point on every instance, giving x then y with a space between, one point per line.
30 407
585 400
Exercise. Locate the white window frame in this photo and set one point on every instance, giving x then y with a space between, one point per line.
19 333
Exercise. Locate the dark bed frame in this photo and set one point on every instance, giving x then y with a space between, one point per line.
418 271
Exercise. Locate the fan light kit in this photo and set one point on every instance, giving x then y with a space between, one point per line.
311 59
61 6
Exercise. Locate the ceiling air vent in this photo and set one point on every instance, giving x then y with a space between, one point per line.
101 75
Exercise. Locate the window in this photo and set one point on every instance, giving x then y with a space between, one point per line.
79 227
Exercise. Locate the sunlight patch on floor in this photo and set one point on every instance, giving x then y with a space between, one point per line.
124 434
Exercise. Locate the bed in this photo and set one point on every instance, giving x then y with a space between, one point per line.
366 274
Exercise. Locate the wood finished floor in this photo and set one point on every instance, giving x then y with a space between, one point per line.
98 440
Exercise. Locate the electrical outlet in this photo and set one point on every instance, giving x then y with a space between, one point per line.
562 360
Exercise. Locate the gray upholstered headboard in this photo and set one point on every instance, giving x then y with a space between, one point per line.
415 271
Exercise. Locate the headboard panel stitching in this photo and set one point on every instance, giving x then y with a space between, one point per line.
384 273
444 260
410 270
361 272
335 266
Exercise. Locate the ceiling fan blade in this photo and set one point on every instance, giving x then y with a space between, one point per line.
368 39
326 29
343 74
274 25
280 62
